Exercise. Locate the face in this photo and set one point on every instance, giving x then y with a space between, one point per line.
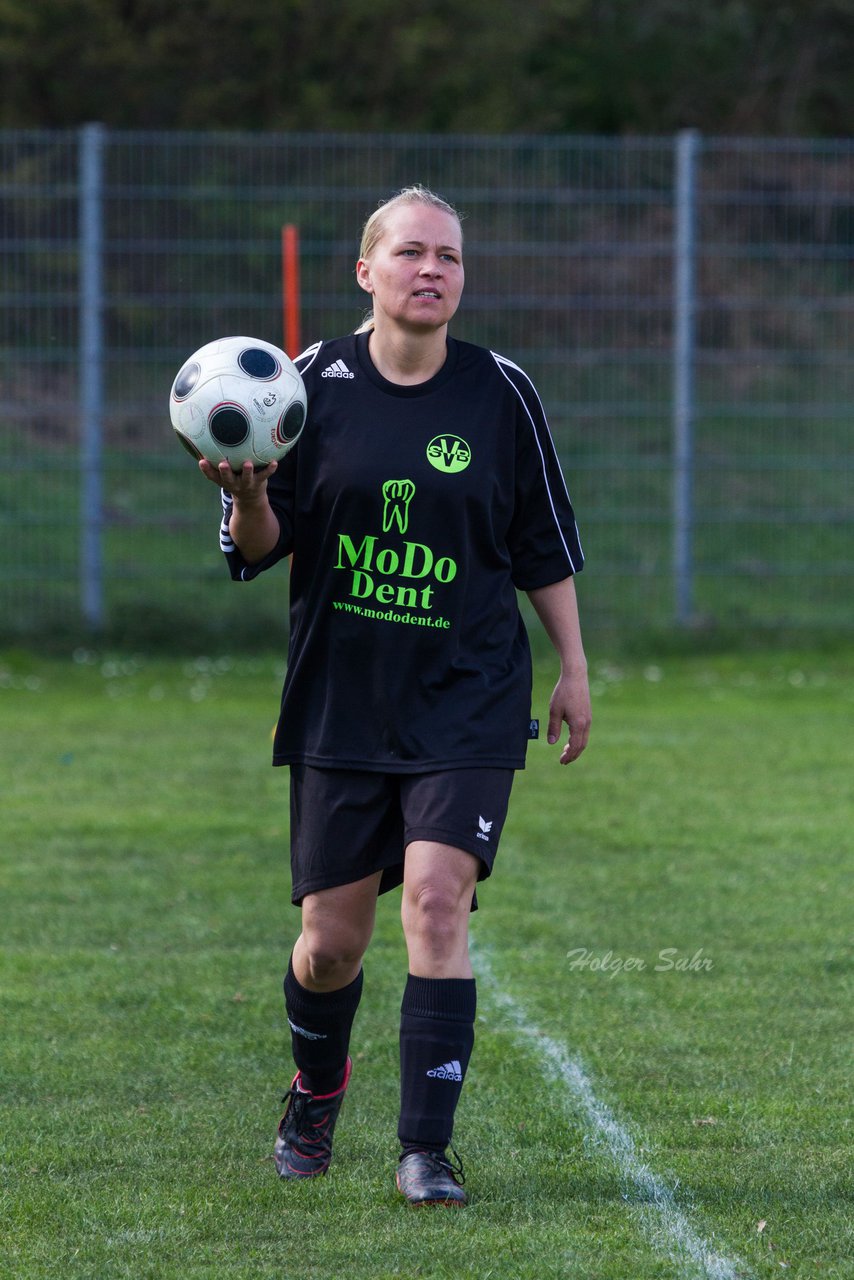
415 271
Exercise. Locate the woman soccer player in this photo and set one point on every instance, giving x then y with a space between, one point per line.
424 490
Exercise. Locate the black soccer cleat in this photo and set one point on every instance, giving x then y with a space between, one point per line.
304 1141
427 1177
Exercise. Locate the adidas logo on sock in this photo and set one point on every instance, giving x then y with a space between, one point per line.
337 370
448 1071
309 1035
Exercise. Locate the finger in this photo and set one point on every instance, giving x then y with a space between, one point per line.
215 474
253 476
555 723
578 739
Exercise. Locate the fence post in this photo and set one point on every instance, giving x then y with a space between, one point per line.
91 371
684 319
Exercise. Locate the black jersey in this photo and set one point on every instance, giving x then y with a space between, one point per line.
413 513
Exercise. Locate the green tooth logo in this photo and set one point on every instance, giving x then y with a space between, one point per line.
397 495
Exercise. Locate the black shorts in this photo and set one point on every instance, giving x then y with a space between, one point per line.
347 824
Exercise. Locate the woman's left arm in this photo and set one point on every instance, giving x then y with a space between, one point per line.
557 609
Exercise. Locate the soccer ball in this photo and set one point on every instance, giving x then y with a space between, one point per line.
238 400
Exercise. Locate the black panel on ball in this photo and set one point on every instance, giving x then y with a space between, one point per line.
292 421
189 446
229 426
186 380
258 363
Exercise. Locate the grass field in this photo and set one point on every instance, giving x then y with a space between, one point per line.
661 1081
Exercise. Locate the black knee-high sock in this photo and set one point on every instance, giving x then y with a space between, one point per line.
320 1023
436 1040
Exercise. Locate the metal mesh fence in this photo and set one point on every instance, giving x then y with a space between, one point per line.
123 252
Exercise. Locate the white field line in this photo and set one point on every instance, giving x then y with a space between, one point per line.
664 1222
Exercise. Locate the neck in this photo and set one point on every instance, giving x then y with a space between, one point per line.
408 358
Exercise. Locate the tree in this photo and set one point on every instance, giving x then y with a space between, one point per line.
603 66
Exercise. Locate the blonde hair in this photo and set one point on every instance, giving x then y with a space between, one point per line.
374 228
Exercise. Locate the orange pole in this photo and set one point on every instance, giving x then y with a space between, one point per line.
291 289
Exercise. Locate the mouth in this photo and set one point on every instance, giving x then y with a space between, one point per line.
427 293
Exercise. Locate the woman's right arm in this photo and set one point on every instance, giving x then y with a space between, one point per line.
253 524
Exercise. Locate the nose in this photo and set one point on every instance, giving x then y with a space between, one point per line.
431 267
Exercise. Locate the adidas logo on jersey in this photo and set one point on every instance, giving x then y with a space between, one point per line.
337 370
448 1071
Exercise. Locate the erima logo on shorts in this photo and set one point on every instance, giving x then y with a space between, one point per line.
448 1071
337 370
485 828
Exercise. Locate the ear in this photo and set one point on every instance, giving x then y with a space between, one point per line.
363 276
